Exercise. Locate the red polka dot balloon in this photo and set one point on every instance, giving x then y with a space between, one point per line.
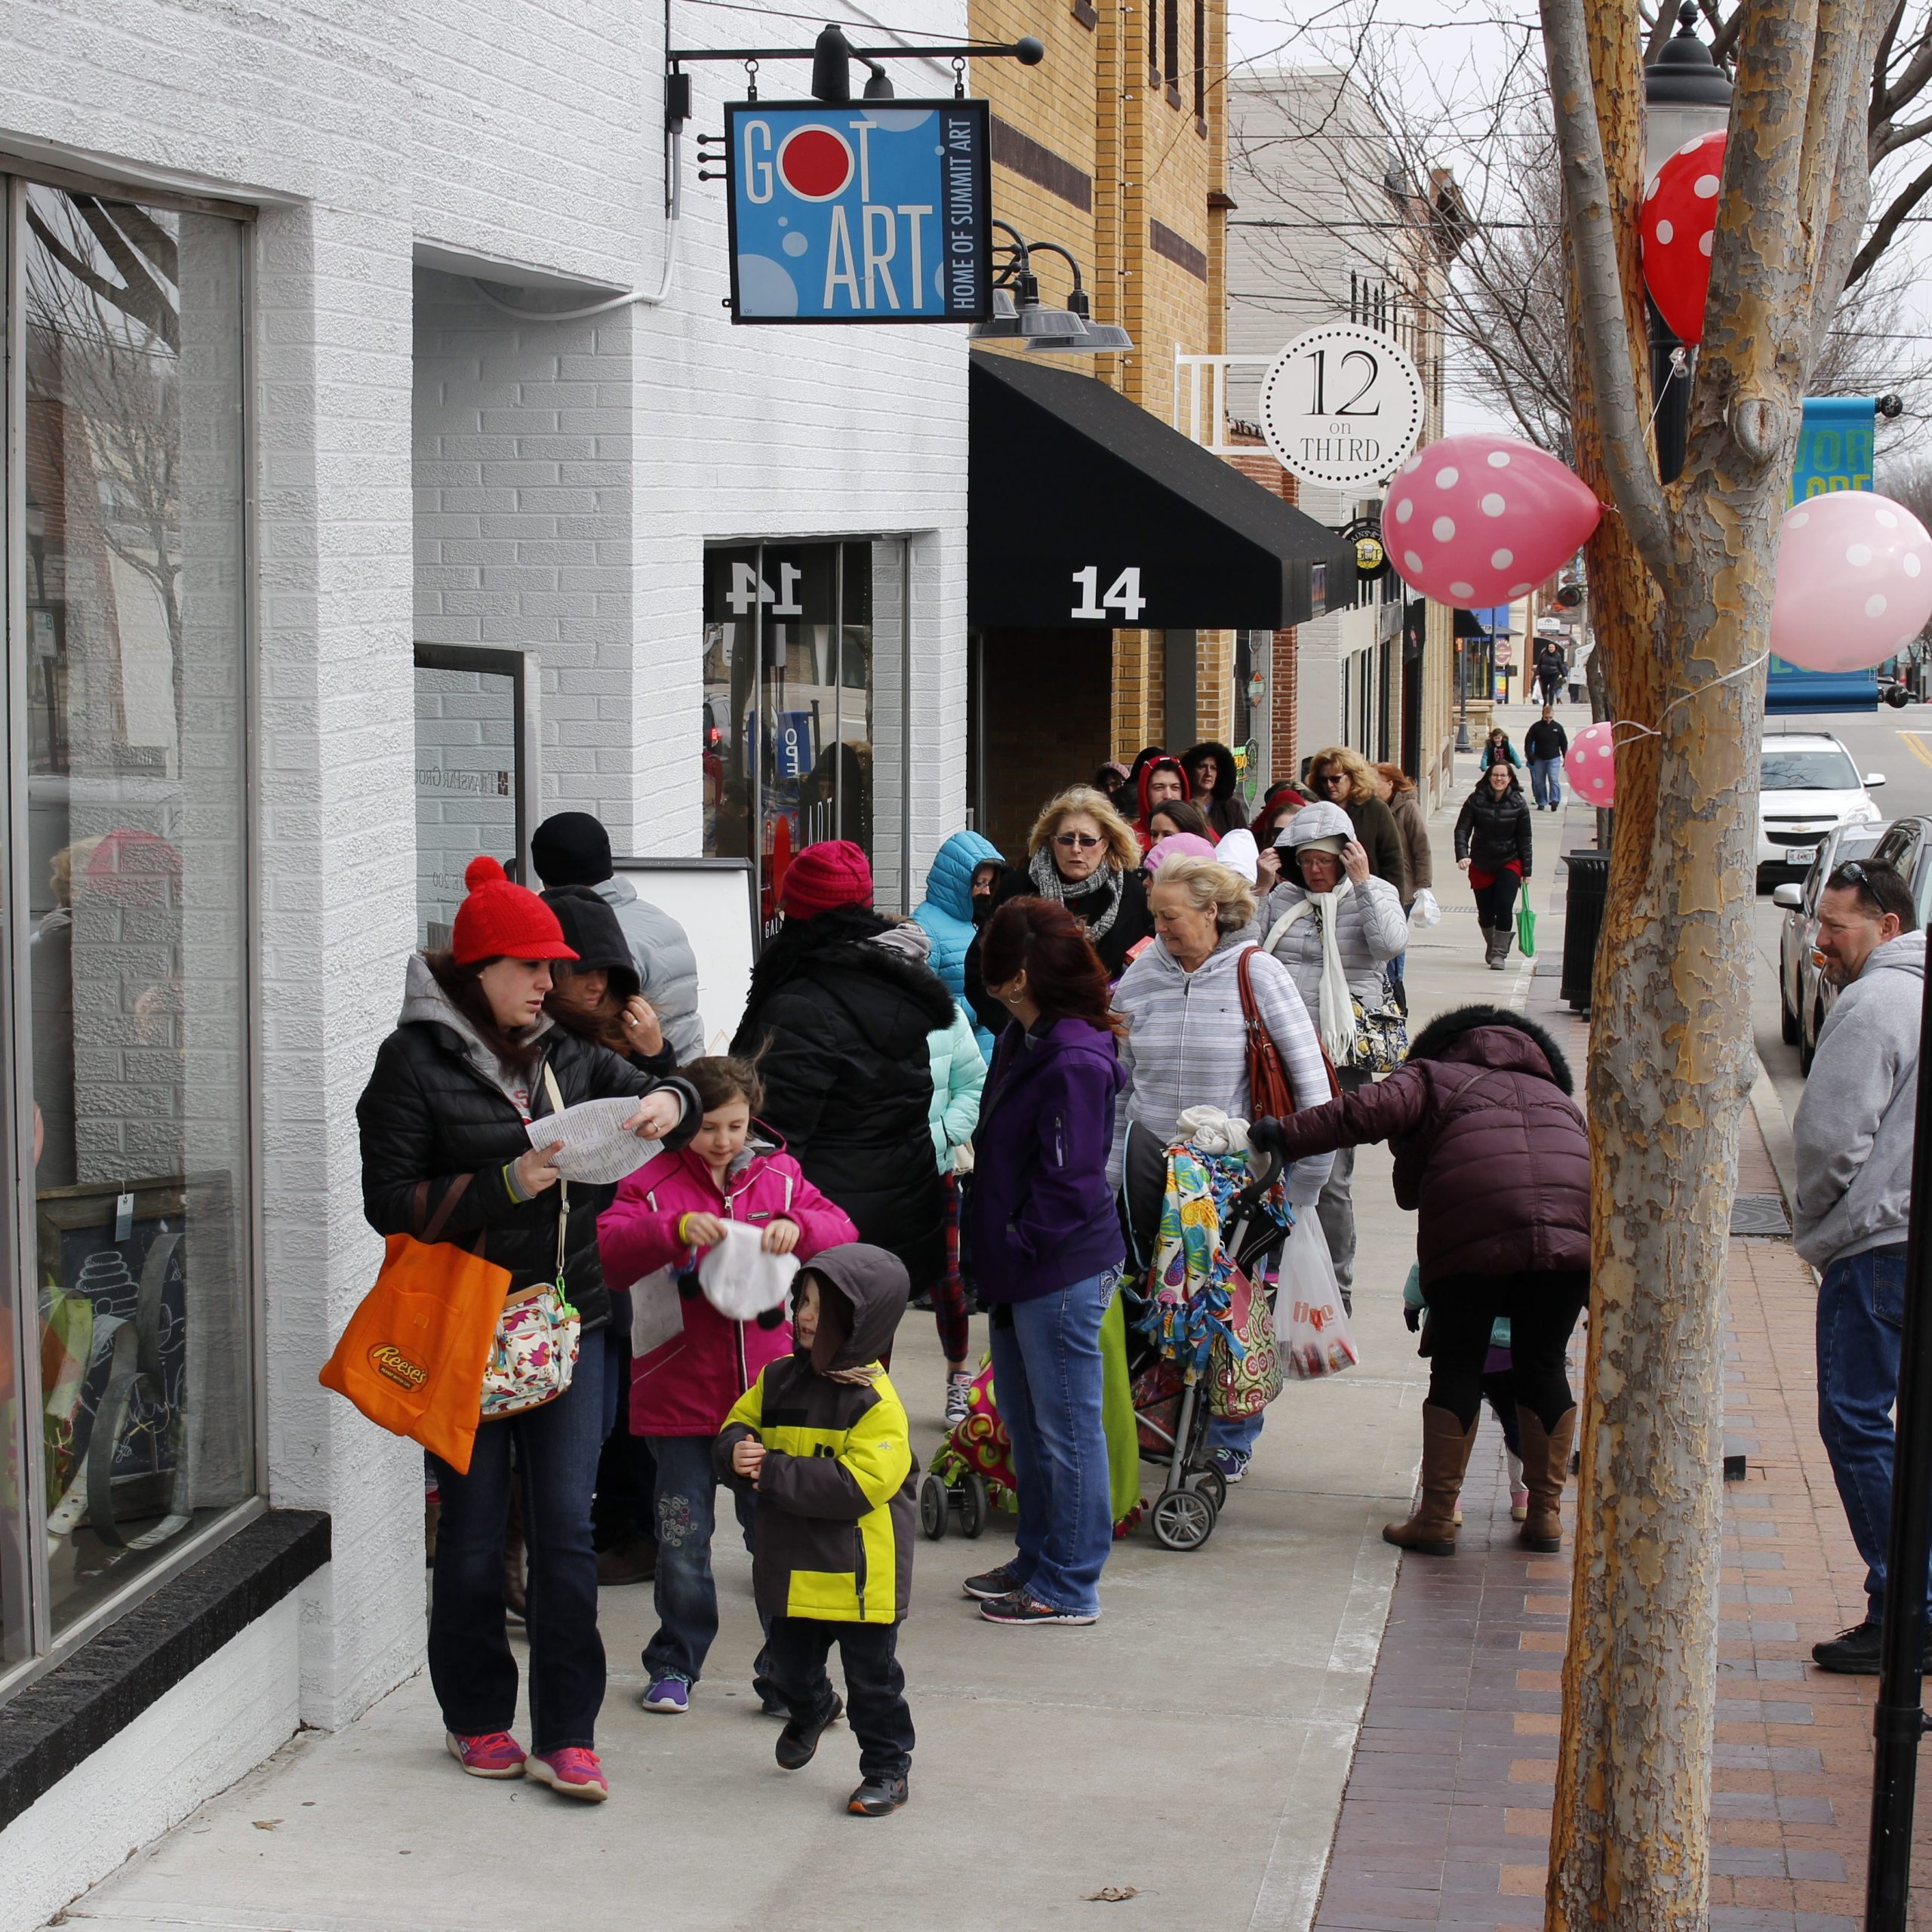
1591 764
1678 224
1854 581
1480 520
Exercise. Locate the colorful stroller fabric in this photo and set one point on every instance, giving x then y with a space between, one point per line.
1187 1290
980 1442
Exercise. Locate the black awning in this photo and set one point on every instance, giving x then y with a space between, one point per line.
1068 476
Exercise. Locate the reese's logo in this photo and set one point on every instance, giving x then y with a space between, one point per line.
389 1361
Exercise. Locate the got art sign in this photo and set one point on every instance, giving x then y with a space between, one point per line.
873 213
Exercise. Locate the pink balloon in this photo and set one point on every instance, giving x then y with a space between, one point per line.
1854 581
1590 765
1480 520
1678 223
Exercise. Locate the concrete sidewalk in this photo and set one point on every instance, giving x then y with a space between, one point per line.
1193 1745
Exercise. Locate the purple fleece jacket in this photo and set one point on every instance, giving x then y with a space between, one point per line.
1040 1214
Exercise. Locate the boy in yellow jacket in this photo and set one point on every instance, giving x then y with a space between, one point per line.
822 1441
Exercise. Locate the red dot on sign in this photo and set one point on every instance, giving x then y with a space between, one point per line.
815 163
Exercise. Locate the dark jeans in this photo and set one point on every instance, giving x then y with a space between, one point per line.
1861 1308
686 1597
1496 903
1542 1307
1047 1379
471 1666
875 1704
621 1511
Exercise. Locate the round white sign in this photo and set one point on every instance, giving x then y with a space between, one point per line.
1341 406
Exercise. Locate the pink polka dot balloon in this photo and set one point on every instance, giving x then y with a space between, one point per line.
1590 765
1677 225
1478 520
1854 583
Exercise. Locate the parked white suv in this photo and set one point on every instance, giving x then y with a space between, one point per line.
1807 784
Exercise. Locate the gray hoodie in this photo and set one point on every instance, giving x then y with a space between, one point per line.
1853 1133
424 1000
666 966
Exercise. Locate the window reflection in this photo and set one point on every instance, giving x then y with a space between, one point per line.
131 338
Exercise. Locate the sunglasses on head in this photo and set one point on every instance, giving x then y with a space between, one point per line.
1851 873
1085 840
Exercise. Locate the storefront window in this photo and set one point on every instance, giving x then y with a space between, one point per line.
804 665
131 1411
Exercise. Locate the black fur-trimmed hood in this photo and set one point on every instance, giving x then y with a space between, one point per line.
1449 1036
1224 767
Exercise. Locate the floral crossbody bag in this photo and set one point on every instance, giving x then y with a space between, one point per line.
534 1354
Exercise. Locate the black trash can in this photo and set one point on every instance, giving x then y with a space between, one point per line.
1582 922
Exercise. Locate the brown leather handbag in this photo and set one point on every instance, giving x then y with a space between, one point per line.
1270 1094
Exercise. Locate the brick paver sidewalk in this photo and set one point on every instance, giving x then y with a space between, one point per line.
1446 1818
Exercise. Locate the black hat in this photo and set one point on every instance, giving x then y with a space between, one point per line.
571 848
592 931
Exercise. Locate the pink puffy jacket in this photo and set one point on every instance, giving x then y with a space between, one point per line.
686 1386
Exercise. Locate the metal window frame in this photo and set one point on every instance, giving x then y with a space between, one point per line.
18 1232
523 668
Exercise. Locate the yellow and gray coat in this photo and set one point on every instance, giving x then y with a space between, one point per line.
834 1528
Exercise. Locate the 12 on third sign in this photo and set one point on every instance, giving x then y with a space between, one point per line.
869 213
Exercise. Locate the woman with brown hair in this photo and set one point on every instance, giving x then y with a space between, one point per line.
1047 1245
1082 854
1344 777
1397 790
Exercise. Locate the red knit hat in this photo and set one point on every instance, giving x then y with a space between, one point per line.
834 873
502 921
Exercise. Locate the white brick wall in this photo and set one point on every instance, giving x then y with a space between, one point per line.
427 467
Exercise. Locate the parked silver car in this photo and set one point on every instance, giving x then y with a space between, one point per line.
1803 998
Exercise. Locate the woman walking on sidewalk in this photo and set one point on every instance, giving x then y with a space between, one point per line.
1492 1152
446 1157
1397 790
1046 1248
1493 845
1345 778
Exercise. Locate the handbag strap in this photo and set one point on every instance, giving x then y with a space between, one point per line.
556 1094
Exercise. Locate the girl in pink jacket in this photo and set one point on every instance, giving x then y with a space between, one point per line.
682 1390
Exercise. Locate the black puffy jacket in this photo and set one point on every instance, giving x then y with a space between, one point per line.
1134 922
840 1022
438 1133
1491 832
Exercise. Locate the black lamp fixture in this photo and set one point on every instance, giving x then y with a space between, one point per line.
831 55
1686 95
1021 316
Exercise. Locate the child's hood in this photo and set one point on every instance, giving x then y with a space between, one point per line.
856 1325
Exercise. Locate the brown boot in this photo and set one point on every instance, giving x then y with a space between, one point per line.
1445 1455
513 1577
1546 1469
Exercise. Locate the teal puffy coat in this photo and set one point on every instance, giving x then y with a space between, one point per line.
947 911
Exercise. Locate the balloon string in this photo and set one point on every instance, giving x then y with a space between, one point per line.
1677 361
1638 731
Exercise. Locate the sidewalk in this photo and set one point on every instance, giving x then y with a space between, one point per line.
1446 1820
1194 1745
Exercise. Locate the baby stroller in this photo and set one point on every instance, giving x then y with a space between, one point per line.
1176 1335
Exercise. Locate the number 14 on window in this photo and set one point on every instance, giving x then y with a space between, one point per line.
1123 596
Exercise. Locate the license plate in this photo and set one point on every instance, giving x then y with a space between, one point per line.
1800 855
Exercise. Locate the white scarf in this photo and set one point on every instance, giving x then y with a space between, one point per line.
1336 1020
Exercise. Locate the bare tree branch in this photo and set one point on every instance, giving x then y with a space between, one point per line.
1887 225
1593 244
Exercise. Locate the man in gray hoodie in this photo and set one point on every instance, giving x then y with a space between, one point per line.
1853 1140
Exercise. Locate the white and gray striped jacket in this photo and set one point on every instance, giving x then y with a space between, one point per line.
1187 1045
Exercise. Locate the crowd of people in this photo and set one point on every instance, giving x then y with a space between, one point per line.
973 1106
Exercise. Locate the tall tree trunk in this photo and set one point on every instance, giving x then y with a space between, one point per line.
1681 584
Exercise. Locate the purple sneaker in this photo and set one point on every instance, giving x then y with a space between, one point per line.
1233 1464
671 1696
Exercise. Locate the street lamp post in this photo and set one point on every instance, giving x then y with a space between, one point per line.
1686 94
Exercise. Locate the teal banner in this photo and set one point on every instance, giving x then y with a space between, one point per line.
1835 452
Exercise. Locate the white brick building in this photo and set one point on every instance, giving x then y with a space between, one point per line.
372 457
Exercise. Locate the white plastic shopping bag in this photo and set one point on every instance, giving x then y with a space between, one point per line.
1313 1328
1424 911
740 1279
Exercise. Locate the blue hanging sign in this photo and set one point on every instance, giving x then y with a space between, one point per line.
878 212
1836 443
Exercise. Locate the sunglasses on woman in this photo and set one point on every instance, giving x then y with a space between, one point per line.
1085 840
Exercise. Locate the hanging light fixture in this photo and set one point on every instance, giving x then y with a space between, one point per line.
1021 316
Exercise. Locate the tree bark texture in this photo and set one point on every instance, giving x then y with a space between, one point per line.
1681 589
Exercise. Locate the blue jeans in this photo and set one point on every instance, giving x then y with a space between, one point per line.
1047 1379
686 1597
1861 1308
471 1666
1546 780
1224 1432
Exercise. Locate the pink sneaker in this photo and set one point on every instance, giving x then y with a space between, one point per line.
489 1754
571 1772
